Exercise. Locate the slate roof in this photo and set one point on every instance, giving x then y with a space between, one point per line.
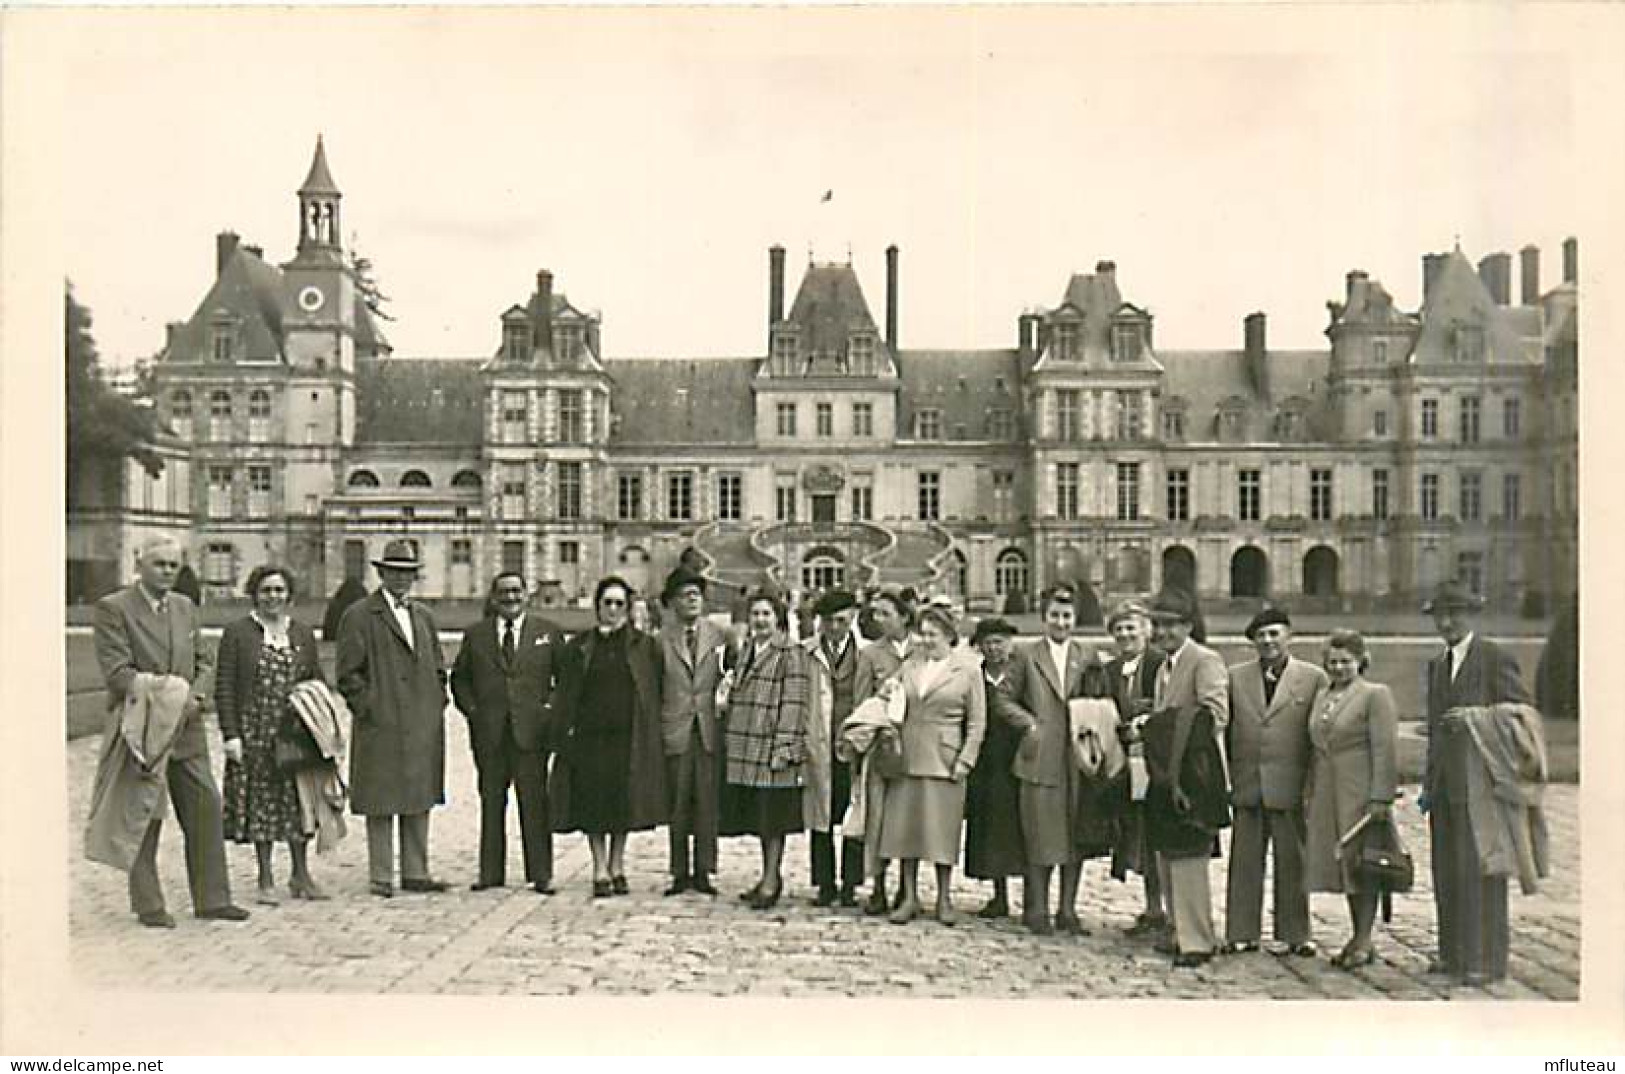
320 180
1206 380
369 335
251 292
1460 299
829 307
419 401
682 400
964 386
1098 300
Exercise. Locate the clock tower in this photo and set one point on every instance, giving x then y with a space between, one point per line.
319 320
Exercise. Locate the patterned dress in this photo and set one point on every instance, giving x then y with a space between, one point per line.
261 803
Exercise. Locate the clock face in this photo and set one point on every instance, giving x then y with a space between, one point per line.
311 299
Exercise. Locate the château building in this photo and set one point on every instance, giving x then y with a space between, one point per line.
1418 445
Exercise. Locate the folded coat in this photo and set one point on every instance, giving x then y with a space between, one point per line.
131 775
875 725
320 788
1506 777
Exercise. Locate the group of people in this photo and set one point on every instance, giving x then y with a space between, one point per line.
909 746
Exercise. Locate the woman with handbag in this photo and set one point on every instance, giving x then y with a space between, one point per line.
1355 737
262 657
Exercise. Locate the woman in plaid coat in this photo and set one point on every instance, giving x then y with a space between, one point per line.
769 703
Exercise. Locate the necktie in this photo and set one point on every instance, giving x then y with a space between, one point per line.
691 641
508 642
1270 681
1450 664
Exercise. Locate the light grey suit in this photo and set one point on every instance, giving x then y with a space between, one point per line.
1267 742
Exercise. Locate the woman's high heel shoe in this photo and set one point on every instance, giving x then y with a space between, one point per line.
766 901
750 895
1352 958
619 886
602 889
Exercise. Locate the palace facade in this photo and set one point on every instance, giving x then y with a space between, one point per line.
1418 445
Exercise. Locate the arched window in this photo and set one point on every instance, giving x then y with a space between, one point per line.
1010 572
1320 569
1249 573
363 479
466 479
415 479
220 415
259 414
180 413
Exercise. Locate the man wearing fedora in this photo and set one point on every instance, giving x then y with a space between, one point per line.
691 652
833 652
390 672
1471 672
1267 743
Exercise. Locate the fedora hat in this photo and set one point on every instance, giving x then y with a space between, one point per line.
1452 596
1173 605
399 556
677 579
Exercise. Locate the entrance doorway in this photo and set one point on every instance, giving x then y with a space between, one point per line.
823 510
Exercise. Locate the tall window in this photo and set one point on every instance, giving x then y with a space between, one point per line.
1512 418
929 486
1471 490
863 503
928 424
1379 423
1128 491
566 343
513 556
515 417
863 419
224 344
1469 415
569 553
1173 425
1066 490
1320 495
1470 571
1130 412
825 415
516 342
1379 493
629 496
1379 351
1004 495
259 492
219 491
220 416
180 413
787 419
1249 495
730 497
513 491
569 491
220 565
1066 342
1001 424
1469 344
1430 497
784 500
1511 496
1430 419
1067 425
1010 573
1126 342
1179 495
571 425
259 415
861 353
786 348
680 496
355 559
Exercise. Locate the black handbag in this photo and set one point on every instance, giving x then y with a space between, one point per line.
294 748
1383 863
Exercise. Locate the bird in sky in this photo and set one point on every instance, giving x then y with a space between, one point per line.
829 195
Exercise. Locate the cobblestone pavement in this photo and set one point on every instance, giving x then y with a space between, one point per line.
514 942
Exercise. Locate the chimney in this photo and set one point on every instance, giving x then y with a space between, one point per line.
1571 261
775 285
1432 267
1026 333
1105 268
1256 348
1496 272
1530 258
541 311
891 298
225 244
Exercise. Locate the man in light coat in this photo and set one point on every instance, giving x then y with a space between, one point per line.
149 628
1267 743
833 653
391 674
691 648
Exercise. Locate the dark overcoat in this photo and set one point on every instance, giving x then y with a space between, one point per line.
647 782
397 696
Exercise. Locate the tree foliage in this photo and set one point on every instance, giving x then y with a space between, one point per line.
103 427
367 285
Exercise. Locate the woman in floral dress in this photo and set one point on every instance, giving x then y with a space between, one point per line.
262 657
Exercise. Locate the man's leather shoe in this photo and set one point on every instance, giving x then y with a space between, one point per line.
382 888
1192 960
1475 980
703 885
1307 949
1038 924
482 885
1240 947
542 887
994 909
825 897
426 887
1147 924
678 885
227 912
157 919
848 897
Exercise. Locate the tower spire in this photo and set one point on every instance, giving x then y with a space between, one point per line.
320 232
320 179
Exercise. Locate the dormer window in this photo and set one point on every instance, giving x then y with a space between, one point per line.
1173 419
1068 340
223 343
566 343
1127 343
1469 344
1233 420
861 353
1379 352
516 342
786 349
928 424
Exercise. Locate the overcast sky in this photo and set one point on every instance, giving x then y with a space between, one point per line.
649 160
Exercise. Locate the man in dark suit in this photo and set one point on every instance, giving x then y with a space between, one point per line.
1131 680
691 650
147 627
1471 672
1267 742
502 680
